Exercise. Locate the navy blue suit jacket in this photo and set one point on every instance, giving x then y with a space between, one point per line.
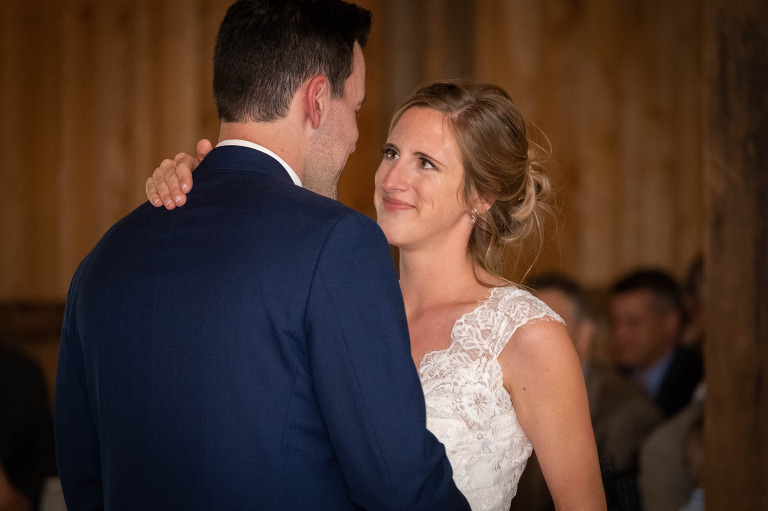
246 351
683 375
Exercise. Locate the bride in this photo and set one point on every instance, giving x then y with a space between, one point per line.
458 182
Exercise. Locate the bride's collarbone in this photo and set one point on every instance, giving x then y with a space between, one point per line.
430 329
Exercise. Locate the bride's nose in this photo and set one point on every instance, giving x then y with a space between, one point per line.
394 177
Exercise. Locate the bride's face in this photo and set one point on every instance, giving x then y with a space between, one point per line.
418 194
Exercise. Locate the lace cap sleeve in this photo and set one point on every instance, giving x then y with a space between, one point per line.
511 308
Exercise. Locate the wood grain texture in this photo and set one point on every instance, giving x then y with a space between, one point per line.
736 164
615 86
94 94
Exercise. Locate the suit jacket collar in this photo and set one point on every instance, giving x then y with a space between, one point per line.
234 157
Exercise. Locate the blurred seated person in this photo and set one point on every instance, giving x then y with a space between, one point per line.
647 323
26 433
695 464
622 415
671 458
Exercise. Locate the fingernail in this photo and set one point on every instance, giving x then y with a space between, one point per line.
178 199
184 187
157 202
169 202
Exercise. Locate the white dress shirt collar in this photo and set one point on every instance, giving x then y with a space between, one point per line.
246 143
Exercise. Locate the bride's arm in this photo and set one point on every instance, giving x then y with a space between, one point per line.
172 180
544 378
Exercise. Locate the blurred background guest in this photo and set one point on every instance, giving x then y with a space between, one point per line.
26 433
647 319
672 457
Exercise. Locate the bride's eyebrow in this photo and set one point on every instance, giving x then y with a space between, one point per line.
430 158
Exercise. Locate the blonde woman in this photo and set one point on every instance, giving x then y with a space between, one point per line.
458 182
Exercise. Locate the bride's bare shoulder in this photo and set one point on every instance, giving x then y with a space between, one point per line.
539 352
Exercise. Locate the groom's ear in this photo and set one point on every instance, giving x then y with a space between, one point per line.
315 100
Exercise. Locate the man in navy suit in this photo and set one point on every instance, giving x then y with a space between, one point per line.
250 351
647 321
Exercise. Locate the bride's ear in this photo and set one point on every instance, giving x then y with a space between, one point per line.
315 99
481 204
477 208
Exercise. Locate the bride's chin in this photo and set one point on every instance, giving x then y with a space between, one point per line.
397 233
392 237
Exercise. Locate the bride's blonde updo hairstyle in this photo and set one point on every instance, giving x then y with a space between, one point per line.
501 166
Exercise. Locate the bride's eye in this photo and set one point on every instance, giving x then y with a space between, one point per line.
389 153
426 164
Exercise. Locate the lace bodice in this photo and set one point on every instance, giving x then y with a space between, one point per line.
468 408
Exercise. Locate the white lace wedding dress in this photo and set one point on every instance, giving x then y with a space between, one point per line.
469 410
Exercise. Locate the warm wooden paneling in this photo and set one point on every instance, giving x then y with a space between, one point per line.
95 93
29 142
615 86
736 163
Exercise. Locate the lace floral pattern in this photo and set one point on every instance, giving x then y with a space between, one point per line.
468 408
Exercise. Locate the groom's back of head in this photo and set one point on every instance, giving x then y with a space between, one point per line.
266 49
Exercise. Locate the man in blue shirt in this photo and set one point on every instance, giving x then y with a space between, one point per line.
647 321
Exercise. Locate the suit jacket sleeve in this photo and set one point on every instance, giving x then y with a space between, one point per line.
366 383
77 443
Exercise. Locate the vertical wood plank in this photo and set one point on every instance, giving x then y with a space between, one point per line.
11 190
735 159
599 144
30 125
532 49
93 155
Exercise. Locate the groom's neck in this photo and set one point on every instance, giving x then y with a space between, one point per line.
279 136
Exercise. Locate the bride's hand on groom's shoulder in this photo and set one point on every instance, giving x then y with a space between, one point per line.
172 180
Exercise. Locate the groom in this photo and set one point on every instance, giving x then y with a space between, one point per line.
250 351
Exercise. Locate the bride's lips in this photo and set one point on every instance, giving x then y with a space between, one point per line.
391 204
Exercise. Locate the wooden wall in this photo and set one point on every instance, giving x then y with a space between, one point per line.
614 85
95 93
92 93
736 170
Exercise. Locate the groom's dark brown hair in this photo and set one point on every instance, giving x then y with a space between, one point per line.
267 48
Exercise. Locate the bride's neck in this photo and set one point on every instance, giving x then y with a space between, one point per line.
427 278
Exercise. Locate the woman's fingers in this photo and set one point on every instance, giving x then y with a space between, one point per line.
172 180
158 188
